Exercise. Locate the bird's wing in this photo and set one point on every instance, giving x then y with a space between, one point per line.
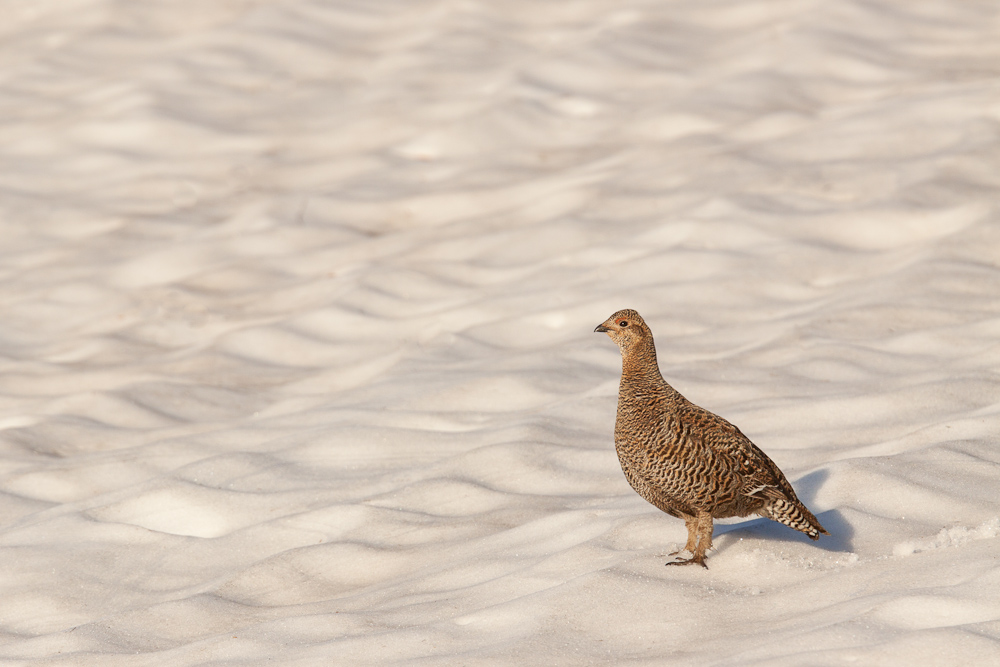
685 463
750 470
760 476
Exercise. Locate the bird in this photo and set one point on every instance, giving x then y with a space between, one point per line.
687 461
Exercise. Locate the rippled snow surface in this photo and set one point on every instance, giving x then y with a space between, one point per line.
297 362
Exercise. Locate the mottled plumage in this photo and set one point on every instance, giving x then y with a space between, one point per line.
683 459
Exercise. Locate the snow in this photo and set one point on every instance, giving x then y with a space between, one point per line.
297 362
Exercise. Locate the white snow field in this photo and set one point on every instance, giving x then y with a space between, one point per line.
297 361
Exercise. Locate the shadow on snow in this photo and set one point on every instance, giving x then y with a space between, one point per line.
841 534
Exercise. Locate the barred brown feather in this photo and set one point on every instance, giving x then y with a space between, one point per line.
685 460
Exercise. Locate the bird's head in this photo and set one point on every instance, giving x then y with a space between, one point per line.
625 328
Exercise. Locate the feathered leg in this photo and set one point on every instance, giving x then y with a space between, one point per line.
692 526
699 539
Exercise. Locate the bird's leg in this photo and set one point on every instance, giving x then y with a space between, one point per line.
692 526
699 539
705 528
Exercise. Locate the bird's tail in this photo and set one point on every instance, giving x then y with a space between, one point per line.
794 515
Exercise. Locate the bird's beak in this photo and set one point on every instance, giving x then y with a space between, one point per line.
601 329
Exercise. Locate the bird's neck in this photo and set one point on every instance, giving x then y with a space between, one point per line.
639 367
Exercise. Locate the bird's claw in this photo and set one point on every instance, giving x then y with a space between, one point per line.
689 561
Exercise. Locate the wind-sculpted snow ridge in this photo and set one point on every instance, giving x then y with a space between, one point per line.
297 362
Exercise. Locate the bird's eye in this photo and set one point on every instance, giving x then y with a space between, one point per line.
623 323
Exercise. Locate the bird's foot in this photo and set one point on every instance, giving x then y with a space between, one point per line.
688 548
693 560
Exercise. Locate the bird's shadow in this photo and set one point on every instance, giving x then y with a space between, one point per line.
841 533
